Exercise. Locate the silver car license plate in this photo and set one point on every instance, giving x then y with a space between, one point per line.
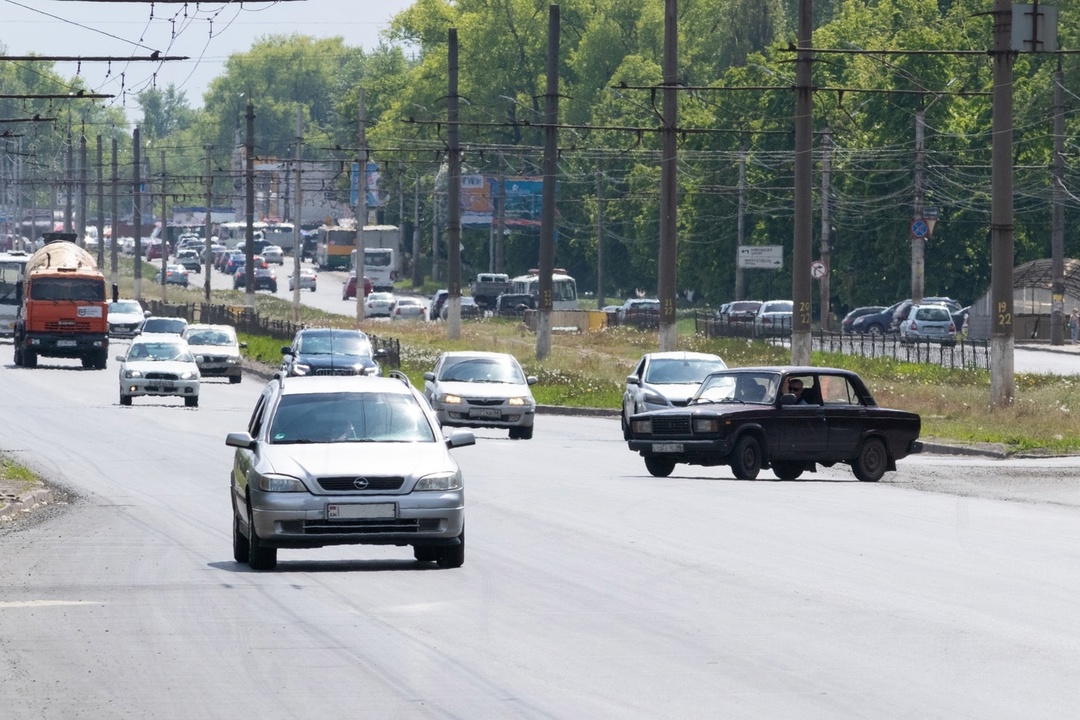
490 413
667 447
366 511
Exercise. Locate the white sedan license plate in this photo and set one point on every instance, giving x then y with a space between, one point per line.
368 511
667 447
491 413
65 343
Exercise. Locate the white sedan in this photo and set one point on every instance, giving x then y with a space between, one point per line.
160 365
408 308
378 304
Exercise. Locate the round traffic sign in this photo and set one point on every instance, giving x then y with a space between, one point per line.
817 270
919 228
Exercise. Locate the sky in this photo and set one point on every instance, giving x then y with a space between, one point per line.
206 32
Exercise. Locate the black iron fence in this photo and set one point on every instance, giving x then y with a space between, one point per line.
972 354
247 320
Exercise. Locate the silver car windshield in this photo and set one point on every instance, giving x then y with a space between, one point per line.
349 417
680 372
482 370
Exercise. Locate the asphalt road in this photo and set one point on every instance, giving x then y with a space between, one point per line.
590 589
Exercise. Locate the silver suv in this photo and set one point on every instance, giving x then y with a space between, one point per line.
346 461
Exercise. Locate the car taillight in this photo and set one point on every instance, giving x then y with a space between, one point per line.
952 327
913 326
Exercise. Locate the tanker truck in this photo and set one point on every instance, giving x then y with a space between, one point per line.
63 311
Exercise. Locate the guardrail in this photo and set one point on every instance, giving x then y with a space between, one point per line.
964 353
247 320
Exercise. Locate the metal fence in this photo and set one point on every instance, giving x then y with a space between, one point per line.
247 320
971 354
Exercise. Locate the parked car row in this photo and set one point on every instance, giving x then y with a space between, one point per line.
897 319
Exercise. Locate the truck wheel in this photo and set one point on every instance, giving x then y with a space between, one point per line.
102 359
87 361
29 358
18 355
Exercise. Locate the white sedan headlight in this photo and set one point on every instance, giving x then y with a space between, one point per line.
442 481
301 369
133 373
279 483
189 375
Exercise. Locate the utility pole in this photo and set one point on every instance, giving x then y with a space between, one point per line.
100 204
136 211
298 198
80 228
69 183
1057 224
249 207
544 303
401 216
164 235
208 256
361 204
1002 342
804 161
669 178
114 222
435 232
826 229
918 243
740 289
453 196
417 275
601 301
500 228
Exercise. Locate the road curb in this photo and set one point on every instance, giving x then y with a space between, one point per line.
25 502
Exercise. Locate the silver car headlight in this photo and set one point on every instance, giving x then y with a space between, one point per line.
279 483
450 399
518 401
233 360
133 373
655 399
441 482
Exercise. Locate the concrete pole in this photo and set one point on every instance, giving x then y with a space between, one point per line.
804 162
500 228
453 230
545 302
100 204
249 207
601 300
298 201
417 274
208 256
84 184
669 177
114 222
69 185
825 248
136 208
918 244
1057 224
740 288
360 211
164 235
1002 342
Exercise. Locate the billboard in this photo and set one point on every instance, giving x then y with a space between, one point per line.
374 197
524 200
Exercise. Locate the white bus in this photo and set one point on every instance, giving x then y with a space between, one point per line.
563 288
12 269
231 234
379 265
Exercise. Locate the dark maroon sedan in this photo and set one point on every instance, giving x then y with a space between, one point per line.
787 419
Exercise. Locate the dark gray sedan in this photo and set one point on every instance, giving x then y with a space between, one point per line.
756 418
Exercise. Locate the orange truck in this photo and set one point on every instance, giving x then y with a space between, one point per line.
63 311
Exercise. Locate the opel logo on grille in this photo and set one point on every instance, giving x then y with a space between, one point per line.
360 483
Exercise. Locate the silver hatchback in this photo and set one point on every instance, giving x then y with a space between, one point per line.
346 461
928 322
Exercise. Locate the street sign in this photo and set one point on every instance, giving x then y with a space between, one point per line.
919 228
818 270
761 256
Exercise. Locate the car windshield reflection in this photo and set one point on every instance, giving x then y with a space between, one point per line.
349 417
161 352
482 370
739 387
680 372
